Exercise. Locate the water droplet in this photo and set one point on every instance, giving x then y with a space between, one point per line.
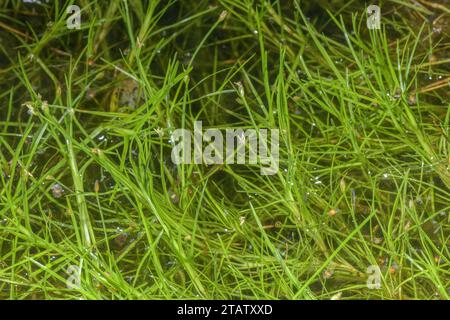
57 190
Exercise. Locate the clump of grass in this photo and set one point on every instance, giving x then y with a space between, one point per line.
364 150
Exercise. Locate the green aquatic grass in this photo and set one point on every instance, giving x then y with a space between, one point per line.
364 150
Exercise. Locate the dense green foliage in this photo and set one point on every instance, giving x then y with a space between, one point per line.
87 179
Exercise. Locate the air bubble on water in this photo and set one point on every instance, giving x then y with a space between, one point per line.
170 263
57 190
255 31
112 184
101 138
